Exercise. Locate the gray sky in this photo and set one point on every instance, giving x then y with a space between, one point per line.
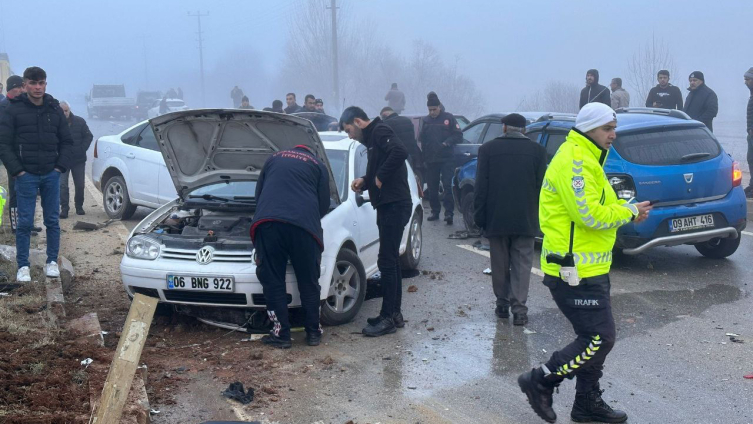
509 48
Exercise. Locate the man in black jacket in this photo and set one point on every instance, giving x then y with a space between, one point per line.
506 203
593 91
82 139
36 147
386 180
406 132
292 105
292 196
440 133
701 103
664 95
749 114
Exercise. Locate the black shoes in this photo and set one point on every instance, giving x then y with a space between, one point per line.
277 342
36 229
397 319
539 393
80 211
448 219
384 326
63 214
591 407
313 339
520 319
433 217
502 311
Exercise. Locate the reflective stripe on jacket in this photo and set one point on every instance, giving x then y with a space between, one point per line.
576 190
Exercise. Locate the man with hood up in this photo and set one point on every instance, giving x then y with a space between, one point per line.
593 91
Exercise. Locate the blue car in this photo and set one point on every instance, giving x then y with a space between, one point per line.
661 156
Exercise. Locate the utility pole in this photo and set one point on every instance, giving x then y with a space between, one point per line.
146 65
201 55
335 71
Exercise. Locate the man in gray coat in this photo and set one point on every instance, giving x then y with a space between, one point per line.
620 97
395 99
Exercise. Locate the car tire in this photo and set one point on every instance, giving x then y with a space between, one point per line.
116 200
414 245
347 289
466 208
719 248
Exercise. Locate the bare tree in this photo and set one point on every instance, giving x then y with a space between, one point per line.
645 63
368 67
556 96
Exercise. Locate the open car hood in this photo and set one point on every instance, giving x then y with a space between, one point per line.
207 146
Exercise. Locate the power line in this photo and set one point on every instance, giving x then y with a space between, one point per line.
199 15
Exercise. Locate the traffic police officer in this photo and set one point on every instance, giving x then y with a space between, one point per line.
292 196
579 215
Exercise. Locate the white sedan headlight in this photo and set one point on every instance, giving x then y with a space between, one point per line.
141 247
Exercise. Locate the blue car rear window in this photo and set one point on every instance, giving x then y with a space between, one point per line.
668 146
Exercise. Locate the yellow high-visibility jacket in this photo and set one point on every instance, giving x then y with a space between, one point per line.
3 198
575 192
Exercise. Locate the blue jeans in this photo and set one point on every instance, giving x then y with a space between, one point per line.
27 186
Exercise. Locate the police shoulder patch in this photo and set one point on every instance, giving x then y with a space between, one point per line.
447 122
579 184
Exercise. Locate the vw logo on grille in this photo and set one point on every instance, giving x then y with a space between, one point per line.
205 255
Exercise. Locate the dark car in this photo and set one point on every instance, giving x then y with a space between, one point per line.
664 157
144 101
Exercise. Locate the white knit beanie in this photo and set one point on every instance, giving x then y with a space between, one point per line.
594 115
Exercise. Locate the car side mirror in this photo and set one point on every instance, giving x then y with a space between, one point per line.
361 199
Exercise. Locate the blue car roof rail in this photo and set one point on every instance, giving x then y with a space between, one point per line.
557 117
674 113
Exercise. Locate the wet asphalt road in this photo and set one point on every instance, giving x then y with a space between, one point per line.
672 362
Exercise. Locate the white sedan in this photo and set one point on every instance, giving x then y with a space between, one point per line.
195 251
173 105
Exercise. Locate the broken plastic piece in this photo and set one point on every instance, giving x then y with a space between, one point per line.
236 391
488 271
86 362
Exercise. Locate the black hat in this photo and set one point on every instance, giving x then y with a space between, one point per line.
432 100
14 81
319 102
514 120
697 75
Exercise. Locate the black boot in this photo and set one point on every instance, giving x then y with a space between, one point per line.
384 326
433 217
539 393
80 210
397 318
277 342
313 339
63 214
448 219
589 406
502 311
520 319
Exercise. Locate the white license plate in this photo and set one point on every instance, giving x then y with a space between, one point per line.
201 283
691 223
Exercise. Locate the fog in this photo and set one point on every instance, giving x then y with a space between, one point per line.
507 49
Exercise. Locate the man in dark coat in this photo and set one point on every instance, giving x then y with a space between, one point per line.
749 114
593 91
82 139
395 99
440 133
403 128
664 95
292 196
237 95
292 106
386 180
506 203
36 147
701 103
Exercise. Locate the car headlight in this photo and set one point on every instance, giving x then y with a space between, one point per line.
141 247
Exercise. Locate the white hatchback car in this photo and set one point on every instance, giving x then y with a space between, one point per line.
173 105
195 251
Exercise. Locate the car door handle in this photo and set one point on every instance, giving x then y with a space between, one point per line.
467 154
131 156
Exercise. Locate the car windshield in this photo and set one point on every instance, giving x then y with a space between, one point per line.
338 161
229 191
668 146
175 103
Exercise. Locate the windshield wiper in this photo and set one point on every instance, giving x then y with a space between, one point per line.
209 197
692 156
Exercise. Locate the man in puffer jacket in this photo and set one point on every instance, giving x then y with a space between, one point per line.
36 147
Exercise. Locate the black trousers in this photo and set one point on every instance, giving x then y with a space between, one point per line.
436 172
588 308
391 220
77 171
275 243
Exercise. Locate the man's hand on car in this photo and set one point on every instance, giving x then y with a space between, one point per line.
356 185
643 209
